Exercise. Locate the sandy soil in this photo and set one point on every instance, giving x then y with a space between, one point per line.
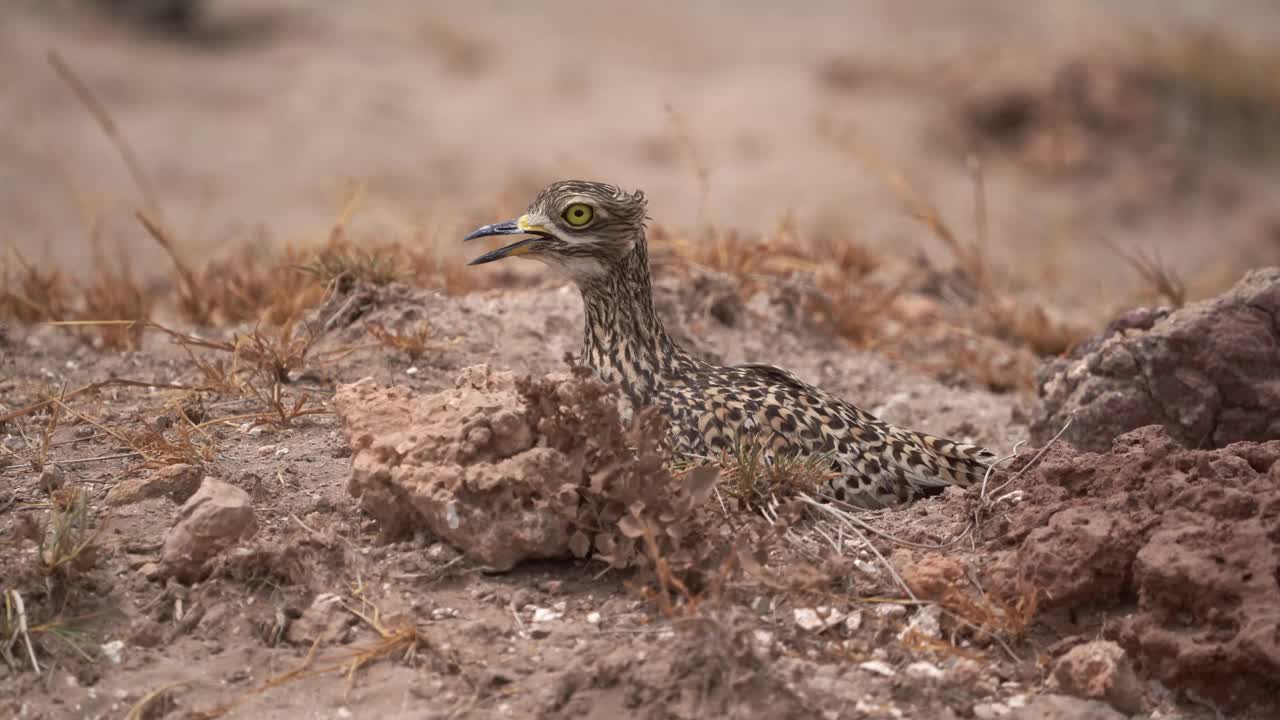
438 635
312 540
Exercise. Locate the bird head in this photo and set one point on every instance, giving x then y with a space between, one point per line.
580 227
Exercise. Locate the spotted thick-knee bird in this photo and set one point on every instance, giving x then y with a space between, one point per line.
596 234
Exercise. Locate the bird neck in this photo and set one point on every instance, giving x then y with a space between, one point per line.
624 341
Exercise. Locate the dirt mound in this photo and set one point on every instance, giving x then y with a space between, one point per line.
1184 543
508 468
1206 372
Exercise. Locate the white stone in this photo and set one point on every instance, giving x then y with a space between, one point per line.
890 610
853 622
114 651
545 615
990 711
807 619
816 619
867 567
764 639
925 623
879 668
922 670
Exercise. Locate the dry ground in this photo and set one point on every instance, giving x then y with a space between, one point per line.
305 172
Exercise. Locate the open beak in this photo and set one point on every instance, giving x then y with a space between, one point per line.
511 227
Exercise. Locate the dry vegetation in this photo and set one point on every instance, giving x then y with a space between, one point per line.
256 338
257 328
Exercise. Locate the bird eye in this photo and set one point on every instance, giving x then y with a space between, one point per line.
578 214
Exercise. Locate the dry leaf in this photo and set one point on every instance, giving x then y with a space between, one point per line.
699 482
579 544
631 526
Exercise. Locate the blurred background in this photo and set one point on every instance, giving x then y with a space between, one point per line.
1071 136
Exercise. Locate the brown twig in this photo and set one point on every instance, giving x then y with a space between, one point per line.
190 290
121 382
103 117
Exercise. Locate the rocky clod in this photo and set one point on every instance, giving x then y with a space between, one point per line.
1209 373
215 518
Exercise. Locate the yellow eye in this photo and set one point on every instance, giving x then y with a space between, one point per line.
578 214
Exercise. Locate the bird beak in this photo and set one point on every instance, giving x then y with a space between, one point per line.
511 227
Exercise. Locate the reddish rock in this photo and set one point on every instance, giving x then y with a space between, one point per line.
1100 670
179 482
1185 542
1209 373
508 468
217 517
934 576
463 464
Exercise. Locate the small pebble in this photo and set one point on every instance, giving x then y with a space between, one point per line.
853 622
867 567
922 670
818 618
764 639
990 711
879 668
114 651
543 614
51 478
890 610
926 623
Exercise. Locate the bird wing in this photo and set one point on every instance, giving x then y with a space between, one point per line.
775 374
881 452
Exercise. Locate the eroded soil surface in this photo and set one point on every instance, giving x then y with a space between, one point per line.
1169 552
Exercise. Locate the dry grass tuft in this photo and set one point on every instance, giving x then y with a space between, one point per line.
1005 620
414 343
32 295
66 541
270 289
828 279
1161 281
999 313
746 476
39 448
403 640
259 366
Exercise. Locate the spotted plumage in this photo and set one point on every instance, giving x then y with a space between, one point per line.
715 409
